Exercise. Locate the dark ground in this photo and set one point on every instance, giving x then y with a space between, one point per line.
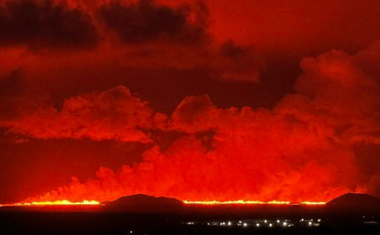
93 222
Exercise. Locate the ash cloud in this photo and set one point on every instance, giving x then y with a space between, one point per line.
305 148
149 36
146 21
110 115
238 63
10 88
41 24
319 141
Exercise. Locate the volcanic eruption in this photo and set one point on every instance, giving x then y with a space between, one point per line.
301 150
162 100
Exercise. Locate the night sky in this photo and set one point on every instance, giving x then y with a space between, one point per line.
197 100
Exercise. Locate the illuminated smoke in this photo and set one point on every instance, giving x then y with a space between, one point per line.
315 144
302 150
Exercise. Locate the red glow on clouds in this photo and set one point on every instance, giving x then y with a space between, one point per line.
155 84
290 153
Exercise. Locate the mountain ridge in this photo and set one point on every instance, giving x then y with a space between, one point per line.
349 202
144 204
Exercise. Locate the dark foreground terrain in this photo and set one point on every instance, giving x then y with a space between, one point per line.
107 223
141 214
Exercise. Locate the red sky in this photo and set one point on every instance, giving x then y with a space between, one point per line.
199 100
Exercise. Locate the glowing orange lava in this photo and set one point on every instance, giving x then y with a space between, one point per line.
313 203
55 203
210 203
242 202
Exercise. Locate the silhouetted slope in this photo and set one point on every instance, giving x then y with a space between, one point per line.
145 204
354 202
347 203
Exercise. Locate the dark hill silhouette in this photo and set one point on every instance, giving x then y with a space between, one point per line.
145 204
355 202
351 203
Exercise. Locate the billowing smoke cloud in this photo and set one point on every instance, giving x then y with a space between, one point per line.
141 34
146 21
41 24
177 37
320 140
305 148
113 114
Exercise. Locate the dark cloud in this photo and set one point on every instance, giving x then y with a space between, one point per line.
12 89
10 84
238 63
147 21
45 24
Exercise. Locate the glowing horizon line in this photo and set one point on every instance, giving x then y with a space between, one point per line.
53 203
214 202
242 202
